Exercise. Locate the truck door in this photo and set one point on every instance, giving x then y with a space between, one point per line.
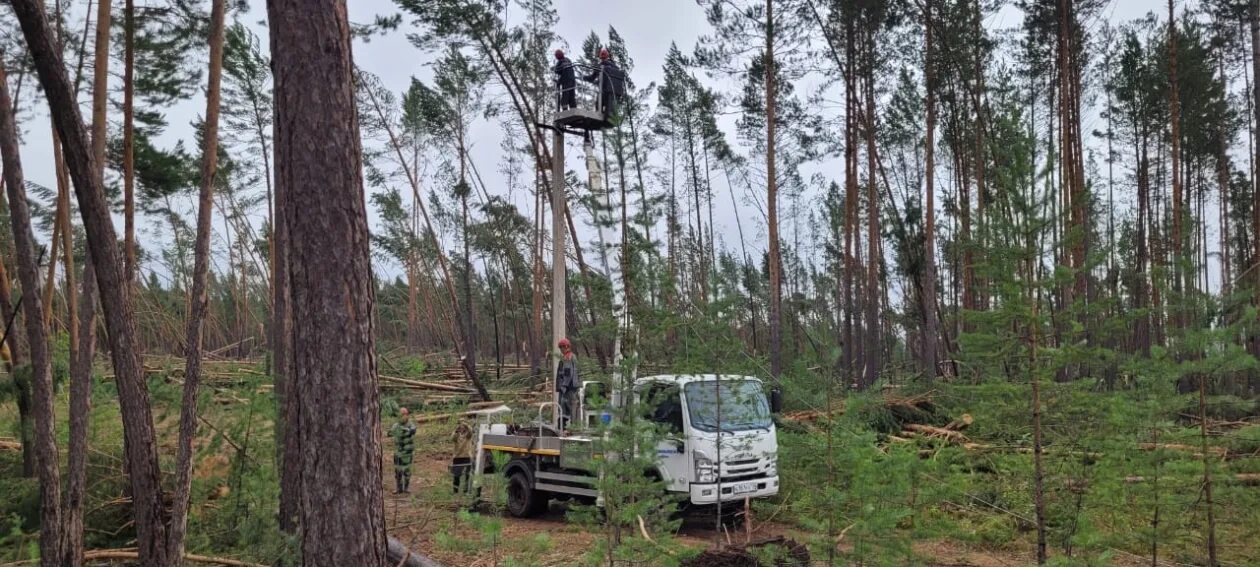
664 402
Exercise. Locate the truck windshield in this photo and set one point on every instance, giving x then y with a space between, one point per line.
742 405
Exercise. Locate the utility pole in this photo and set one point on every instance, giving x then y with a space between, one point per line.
558 279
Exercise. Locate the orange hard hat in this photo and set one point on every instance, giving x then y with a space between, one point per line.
603 53
564 343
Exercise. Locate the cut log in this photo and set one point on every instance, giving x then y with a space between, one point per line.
9 445
960 423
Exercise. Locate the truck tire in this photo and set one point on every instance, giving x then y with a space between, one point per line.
522 500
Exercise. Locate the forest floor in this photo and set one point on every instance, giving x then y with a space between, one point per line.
885 498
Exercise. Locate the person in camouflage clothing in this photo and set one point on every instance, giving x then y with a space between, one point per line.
462 456
404 434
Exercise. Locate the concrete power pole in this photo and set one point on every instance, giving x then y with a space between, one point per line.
558 279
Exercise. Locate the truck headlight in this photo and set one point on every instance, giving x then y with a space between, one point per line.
772 468
705 471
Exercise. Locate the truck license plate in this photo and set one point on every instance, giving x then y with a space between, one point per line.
743 487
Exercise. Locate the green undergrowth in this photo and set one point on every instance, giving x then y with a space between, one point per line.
853 488
850 481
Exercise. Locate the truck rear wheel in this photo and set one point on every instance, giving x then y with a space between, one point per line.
522 500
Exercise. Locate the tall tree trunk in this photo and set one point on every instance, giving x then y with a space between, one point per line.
470 318
1222 180
41 382
334 358
1142 329
1255 206
129 139
928 348
1174 113
413 307
874 257
198 300
852 323
1063 292
59 227
772 205
80 406
139 438
82 331
288 451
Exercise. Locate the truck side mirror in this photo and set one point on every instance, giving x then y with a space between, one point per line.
776 400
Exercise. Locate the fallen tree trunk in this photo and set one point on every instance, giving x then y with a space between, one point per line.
399 556
426 385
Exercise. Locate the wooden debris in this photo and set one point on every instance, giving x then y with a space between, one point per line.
961 423
425 385
10 445
442 416
1214 451
813 415
911 429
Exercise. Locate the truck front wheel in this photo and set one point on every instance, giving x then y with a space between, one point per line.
522 500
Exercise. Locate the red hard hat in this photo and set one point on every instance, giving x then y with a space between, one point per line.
564 343
603 53
559 54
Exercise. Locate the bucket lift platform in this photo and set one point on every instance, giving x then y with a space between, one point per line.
587 113
581 118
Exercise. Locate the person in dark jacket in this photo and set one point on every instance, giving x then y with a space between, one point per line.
567 383
566 80
612 83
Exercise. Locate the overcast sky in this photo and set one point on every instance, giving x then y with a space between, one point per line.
648 27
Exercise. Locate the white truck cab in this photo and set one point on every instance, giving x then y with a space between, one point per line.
721 443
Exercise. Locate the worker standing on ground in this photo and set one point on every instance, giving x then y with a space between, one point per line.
461 457
566 80
612 83
566 381
404 434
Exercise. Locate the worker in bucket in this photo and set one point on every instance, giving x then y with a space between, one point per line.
566 81
462 455
404 435
566 381
612 83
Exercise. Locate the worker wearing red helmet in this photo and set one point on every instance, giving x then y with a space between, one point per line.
612 83
566 81
567 383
